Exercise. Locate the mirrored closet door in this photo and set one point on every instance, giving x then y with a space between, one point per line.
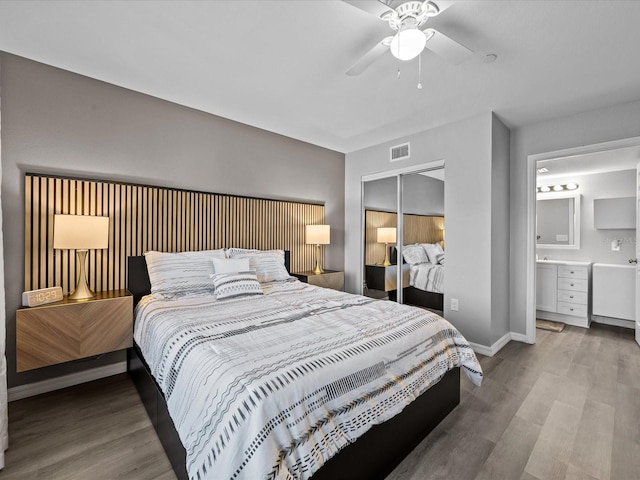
403 218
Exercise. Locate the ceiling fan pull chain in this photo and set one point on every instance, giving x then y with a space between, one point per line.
398 77
419 72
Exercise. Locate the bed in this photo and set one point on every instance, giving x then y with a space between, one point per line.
304 321
426 284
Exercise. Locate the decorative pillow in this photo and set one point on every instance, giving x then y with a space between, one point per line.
179 273
247 252
432 250
414 254
440 258
268 264
239 284
230 265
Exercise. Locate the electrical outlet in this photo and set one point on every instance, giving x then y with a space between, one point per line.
454 304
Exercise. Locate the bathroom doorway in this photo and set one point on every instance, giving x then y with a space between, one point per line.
567 191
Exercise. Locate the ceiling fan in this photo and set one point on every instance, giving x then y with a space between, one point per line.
408 19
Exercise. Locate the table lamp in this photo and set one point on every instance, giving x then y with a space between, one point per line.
317 235
80 233
386 235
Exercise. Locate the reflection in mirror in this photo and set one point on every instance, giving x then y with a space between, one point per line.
379 199
558 221
422 223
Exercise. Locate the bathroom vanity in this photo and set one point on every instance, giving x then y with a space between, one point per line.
563 292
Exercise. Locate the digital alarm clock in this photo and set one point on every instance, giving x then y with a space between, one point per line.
33 298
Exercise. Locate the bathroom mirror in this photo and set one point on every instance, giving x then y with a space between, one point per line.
558 221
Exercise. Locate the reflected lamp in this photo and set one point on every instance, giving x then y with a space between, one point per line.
386 235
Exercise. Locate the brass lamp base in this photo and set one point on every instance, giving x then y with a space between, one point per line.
82 291
386 262
318 268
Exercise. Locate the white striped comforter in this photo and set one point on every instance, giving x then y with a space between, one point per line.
427 276
273 386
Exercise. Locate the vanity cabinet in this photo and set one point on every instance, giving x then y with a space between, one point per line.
563 292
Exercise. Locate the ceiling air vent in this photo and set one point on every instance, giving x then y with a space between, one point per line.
399 152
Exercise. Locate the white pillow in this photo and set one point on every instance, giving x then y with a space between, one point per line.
238 284
247 252
179 273
230 265
414 254
432 250
268 264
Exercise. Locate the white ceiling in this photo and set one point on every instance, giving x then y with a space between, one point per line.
600 162
279 65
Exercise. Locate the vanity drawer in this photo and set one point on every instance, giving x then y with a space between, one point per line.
573 284
567 271
572 309
565 296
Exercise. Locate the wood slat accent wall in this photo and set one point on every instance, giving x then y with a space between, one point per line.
143 218
417 229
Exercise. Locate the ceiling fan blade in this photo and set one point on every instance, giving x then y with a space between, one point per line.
443 4
369 57
374 7
446 47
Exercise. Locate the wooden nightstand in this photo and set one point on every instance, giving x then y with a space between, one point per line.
328 279
69 330
379 277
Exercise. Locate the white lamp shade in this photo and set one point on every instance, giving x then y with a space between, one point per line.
80 232
387 235
317 234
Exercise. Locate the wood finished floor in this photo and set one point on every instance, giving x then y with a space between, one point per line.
565 408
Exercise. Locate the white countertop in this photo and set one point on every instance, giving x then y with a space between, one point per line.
565 262
613 265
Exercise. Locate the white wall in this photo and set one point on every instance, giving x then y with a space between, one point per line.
467 148
421 195
588 128
595 245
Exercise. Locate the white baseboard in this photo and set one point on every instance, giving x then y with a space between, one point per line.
51 384
519 337
497 346
617 322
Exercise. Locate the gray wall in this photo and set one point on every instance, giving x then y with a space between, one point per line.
467 148
58 122
595 245
421 195
500 281
588 128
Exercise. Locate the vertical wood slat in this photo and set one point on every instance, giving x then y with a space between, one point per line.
417 229
143 218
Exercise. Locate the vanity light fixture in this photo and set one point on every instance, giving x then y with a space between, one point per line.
557 188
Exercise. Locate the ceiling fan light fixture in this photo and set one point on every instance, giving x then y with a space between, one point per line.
408 43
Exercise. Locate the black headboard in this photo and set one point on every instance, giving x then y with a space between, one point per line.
138 282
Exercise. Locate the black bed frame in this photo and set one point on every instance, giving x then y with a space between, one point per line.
373 456
415 296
